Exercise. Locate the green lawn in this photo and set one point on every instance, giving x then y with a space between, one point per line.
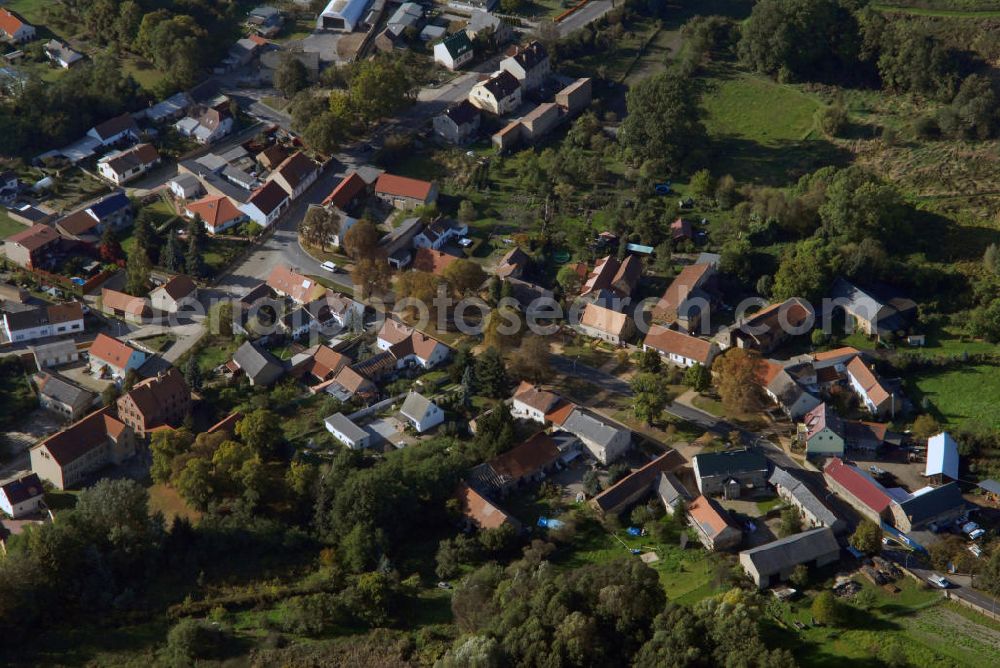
766 131
9 226
913 627
145 74
158 343
31 10
959 395
216 351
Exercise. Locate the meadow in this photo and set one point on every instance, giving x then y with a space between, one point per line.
959 396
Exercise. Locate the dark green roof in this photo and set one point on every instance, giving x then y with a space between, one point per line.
457 44
730 463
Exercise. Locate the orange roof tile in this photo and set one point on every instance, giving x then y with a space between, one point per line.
401 186
670 341
215 210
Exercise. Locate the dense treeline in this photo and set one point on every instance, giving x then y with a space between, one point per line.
846 42
48 114
172 36
609 614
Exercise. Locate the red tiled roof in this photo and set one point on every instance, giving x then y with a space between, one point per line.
835 353
479 510
110 350
401 186
393 331
767 370
560 412
178 287
604 319
68 312
349 187
670 341
535 397
9 22
868 380
78 222
298 287
709 514
227 424
83 436
863 488
215 210
268 197
34 237
690 278
295 169
112 300
528 458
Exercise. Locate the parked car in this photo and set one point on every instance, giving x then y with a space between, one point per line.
969 527
329 266
976 551
976 534
465 242
939 581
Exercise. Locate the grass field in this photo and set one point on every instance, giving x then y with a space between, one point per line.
167 501
913 627
959 395
686 573
765 131
31 10
9 226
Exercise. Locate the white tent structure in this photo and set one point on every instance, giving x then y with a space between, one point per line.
342 15
942 456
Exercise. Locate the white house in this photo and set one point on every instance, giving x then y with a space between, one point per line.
185 186
421 412
420 350
175 294
605 441
21 495
118 129
42 322
60 54
345 431
678 347
869 388
499 95
266 204
114 356
530 402
439 233
295 174
529 65
454 51
123 166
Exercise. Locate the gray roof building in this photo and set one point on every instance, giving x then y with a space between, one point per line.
671 491
54 390
57 352
260 366
924 508
340 424
731 462
773 562
795 491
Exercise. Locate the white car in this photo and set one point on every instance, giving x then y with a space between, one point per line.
976 534
329 266
465 242
969 527
976 551
938 581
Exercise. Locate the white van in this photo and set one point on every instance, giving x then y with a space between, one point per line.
330 267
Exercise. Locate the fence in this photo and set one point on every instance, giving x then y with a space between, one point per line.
374 408
992 613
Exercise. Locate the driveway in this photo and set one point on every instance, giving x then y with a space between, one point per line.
35 426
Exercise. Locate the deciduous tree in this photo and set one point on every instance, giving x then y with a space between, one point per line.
737 380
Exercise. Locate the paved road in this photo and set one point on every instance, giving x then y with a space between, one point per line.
960 584
590 12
